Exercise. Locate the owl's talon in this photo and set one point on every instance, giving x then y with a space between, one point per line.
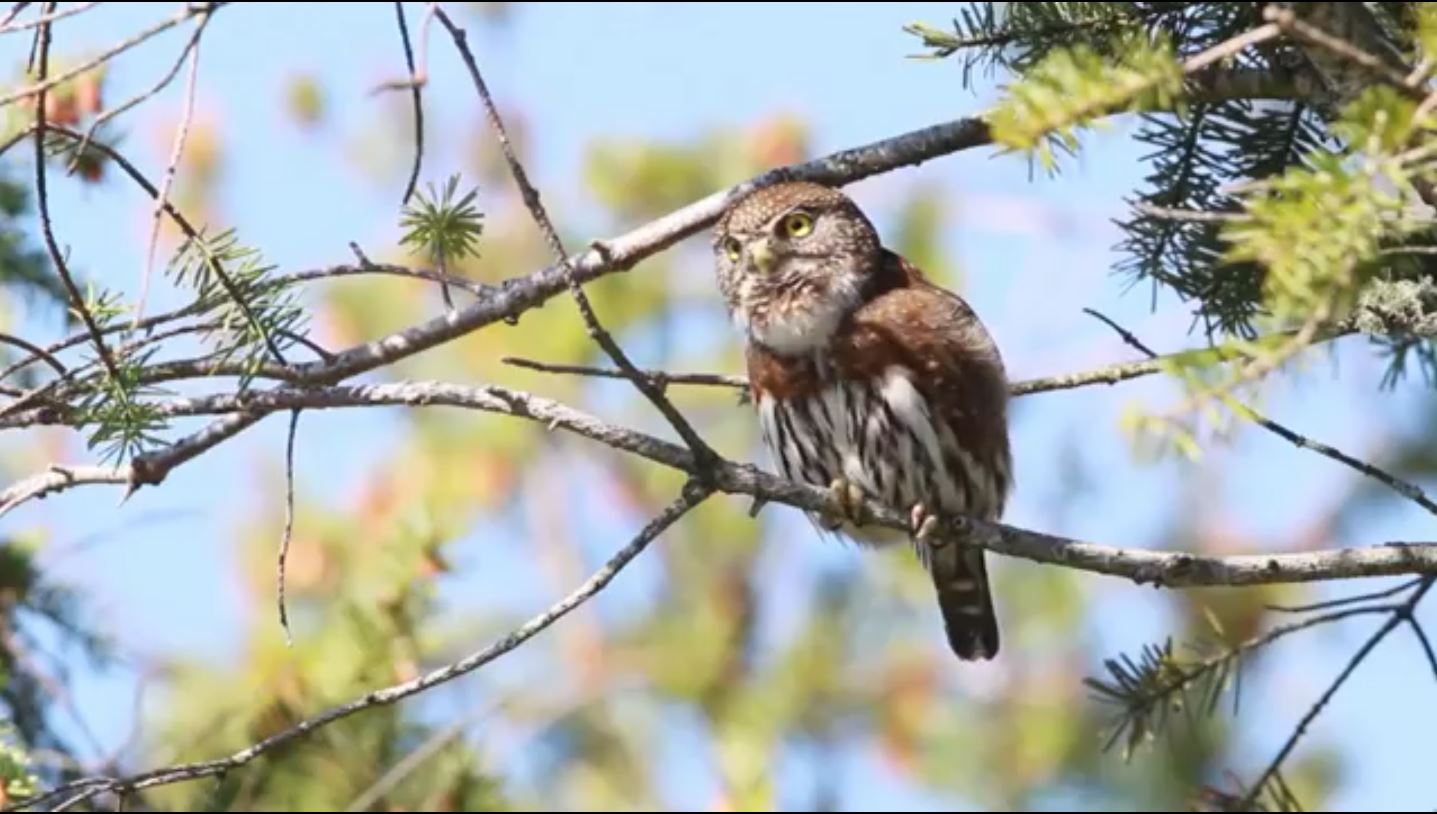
924 525
848 500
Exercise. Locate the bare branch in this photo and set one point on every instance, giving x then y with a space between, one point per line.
140 98
700 448
144 470
1346 600
1397 617
406 766
1402 487
1111 374
188 11
693 494
1148 688
15 9
1172 569
660 379
42 197
7 26
226 282
288 524
182 132
367 267
1424 642
152 469
39 352
515 296
57 478
415 83
520 294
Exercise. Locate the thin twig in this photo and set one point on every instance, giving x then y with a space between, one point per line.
660 378
7 26
288 524
596 330
77 300
1426 644
45 84
140 98
693 494
415 82
15 9
1398 616
182 132
1346 600
1405 488
39 352
476 288
231 289
300 339
406 766
1109 374
1127 336
194 309
1149 696
207 367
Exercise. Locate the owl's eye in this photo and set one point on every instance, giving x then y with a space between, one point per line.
732 248
798 224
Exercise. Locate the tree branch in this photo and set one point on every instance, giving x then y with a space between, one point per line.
1172 569
1402 487
77 300
144 470
518 295
190 10
140 98
182 132
415 82
36 350
692 495
596 330
1398 615
7 27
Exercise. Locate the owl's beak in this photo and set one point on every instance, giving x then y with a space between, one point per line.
761 255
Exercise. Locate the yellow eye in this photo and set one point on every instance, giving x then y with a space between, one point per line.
732 249
798 224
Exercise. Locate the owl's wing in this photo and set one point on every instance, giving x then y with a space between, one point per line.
933 336
933 339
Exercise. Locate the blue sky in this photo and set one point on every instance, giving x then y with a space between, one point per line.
1034 252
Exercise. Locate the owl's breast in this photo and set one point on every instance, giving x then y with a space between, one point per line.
880 434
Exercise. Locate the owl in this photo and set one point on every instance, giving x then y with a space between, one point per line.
872 382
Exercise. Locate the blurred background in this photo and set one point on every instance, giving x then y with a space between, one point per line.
738 663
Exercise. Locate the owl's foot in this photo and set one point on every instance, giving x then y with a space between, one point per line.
922 524
848 502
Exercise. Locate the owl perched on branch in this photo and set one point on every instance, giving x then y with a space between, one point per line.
872 382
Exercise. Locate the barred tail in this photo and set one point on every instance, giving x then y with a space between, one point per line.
961 579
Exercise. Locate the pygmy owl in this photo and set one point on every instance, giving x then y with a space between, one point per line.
871 381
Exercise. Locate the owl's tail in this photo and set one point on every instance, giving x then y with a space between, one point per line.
961 576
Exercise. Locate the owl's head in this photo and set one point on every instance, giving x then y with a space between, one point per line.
792 261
